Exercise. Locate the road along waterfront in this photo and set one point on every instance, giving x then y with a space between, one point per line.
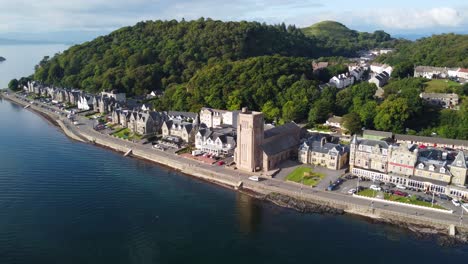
439 222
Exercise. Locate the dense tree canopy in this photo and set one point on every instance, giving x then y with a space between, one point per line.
154 54
447 50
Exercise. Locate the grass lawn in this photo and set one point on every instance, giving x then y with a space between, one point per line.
401 199
411 200
368 193
440 86
311 178
125 133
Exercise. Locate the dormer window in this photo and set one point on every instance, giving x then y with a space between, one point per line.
421 166
442 170
431 168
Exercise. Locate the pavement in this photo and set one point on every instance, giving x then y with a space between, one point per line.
278 184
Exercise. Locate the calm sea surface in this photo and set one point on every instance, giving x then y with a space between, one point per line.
67 202
21 59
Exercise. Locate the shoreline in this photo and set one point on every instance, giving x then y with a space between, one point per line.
281 197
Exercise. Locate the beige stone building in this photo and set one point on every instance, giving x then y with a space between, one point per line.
369 154
258 149
403 159
178 128
316 150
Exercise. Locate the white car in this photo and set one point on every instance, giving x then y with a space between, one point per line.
456 202
254 178
352 191
402 187
375 188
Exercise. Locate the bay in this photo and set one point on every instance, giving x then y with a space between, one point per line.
21 59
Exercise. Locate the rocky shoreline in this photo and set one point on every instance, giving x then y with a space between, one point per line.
419 231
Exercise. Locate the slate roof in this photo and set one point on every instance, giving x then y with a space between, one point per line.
434 140
280 145
377 133
373 143
284 129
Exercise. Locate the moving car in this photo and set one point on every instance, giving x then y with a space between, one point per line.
375 188
456 202
254 178
352 191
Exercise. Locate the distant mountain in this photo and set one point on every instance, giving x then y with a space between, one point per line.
337 39
5 41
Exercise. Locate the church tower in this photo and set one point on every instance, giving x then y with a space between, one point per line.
248 154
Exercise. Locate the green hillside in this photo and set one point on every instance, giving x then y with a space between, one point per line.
330 29
154 54
335 39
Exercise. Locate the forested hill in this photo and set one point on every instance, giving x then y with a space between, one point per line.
447 50
336 39
151 55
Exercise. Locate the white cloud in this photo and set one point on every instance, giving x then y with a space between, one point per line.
104 15
56 15
403 19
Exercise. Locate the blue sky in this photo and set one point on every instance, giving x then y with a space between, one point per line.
93 17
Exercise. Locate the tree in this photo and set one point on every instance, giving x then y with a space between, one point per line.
352 122
13 85
403 70
290 111
367 113
271 112
319 112
392 115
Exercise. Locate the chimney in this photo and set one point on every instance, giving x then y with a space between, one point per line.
323 140
245 110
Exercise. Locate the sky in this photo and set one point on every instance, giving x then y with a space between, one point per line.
78 20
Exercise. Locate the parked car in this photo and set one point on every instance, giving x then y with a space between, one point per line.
419 198
445 197
402 187
352 191
375 188
386 190
456 202
391 185
332 187
221 163
428 199
400 193
350 177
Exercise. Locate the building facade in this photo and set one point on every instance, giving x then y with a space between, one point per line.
317 151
